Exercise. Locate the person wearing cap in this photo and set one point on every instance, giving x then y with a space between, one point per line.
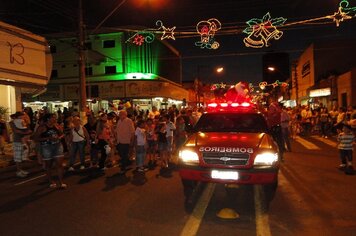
18 147
346 139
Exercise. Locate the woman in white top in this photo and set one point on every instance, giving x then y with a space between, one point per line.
80 139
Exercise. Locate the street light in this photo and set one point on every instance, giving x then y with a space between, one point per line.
220 69
271 68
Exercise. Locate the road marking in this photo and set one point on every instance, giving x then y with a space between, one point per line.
29 180
326 141
307 144
192 226
262 221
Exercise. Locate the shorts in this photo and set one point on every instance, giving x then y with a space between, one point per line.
19 151
51 151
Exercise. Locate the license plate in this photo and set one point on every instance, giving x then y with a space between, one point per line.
223 174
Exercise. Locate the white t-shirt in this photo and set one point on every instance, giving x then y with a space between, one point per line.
140 136
78 136
170 127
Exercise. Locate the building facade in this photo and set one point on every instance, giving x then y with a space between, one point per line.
25 66
323 72
116 71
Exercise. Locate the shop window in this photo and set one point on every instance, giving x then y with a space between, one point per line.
94 91
110 70
306 69
109 44
54 74
88 70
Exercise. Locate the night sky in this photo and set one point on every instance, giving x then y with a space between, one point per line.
240 62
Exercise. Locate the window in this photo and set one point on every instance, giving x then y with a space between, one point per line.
87 45
88 70
109 44
306 69
63 66
53 48
54 74
232 122
110 70
94 91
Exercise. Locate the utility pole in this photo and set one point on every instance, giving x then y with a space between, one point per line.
81 62
295 64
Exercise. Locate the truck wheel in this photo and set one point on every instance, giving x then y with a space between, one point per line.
269 191
192 190
189 186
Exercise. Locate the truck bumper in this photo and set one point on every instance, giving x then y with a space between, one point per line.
251 176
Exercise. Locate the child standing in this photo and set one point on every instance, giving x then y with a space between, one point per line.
94 150
345 146
140 141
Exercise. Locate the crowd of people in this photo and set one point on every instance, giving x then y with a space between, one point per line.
288 123
58 139
148 137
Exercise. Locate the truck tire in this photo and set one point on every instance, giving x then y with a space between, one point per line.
269 191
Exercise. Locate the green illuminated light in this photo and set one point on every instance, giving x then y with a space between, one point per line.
139 76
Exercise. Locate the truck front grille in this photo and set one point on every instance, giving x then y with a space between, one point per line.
223 158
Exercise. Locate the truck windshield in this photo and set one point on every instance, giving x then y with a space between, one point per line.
232 122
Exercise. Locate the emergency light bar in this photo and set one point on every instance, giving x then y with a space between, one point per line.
227 106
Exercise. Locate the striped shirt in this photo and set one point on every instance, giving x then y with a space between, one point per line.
345 141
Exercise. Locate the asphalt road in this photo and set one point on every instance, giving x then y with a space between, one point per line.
313 197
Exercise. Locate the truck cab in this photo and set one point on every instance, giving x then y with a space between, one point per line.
230 144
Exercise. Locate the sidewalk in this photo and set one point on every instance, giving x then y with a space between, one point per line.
7 159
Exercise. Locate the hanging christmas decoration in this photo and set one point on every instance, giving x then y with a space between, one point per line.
218 86
168 33
260 31
141 37
206 30
264 84
343 13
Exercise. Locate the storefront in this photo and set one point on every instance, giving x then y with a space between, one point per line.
25 66
102 95
319 97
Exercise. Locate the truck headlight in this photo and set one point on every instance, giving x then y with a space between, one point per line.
266 158
188 156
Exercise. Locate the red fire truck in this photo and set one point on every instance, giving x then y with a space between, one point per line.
230 144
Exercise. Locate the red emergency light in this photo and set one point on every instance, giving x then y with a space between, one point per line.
228 106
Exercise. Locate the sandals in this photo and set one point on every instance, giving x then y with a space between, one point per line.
53 185
61 186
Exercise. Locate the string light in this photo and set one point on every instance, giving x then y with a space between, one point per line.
342 15
141 37
264 84
261 31
206 30
168 33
